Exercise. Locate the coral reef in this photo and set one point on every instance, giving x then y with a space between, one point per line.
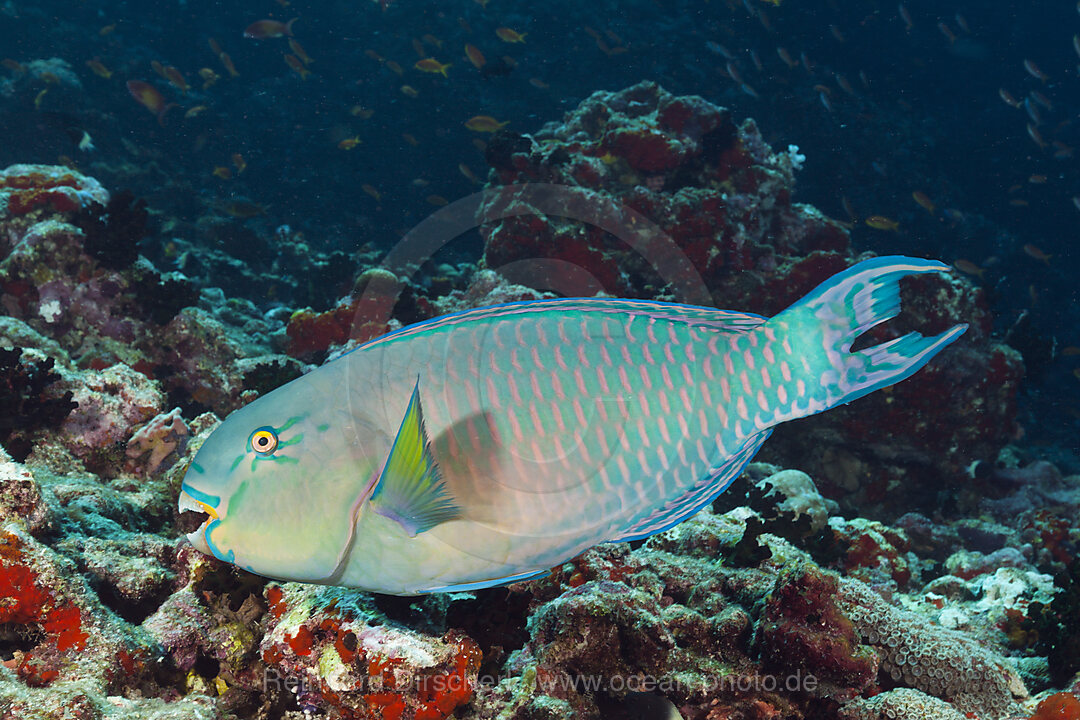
780 601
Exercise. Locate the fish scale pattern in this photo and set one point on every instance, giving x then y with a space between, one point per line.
919 654
671 406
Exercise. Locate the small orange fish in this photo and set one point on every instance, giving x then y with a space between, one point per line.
947 32
924 200
361 112
410 138
410 91
538 83
147 95
1007 98
176 78
267 29
227 62
238 162
1070 351
485 123
192 112
1034 252
1041 99
468 173
370 190
298 67
431 65
786 58
880 222
215 47
222 173
209 77
1037 179
432 40
510 36
98 68
107 30
475 56
437 200
374 55
298 51
969 268
159 69
14 66
349 143
1034 71
244 210
1035 135
394 68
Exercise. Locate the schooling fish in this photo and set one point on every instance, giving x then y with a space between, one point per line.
485 447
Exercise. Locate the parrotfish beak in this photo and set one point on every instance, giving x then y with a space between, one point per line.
192 511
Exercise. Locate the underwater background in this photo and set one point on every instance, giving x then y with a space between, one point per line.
200 201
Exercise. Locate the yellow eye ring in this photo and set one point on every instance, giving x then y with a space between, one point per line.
263 441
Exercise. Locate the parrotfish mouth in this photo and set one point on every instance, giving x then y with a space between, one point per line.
194 517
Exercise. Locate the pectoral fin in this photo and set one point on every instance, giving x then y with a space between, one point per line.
410 489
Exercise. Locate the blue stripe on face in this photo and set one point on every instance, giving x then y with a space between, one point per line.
211 500
228 557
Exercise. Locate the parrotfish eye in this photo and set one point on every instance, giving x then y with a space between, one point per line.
263 441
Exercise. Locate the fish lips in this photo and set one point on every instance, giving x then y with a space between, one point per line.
191 512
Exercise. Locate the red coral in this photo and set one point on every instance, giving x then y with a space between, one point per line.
645 149
301 642
275 597
24 601
1060 706
311 332
440 694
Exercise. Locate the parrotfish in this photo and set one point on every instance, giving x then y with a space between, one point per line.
488 446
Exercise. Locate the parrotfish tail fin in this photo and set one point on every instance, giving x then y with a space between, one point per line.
844 307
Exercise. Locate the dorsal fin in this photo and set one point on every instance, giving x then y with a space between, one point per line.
703 317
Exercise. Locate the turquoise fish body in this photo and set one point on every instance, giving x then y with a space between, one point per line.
489 446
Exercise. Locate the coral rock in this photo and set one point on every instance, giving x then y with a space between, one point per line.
939 662
24 188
